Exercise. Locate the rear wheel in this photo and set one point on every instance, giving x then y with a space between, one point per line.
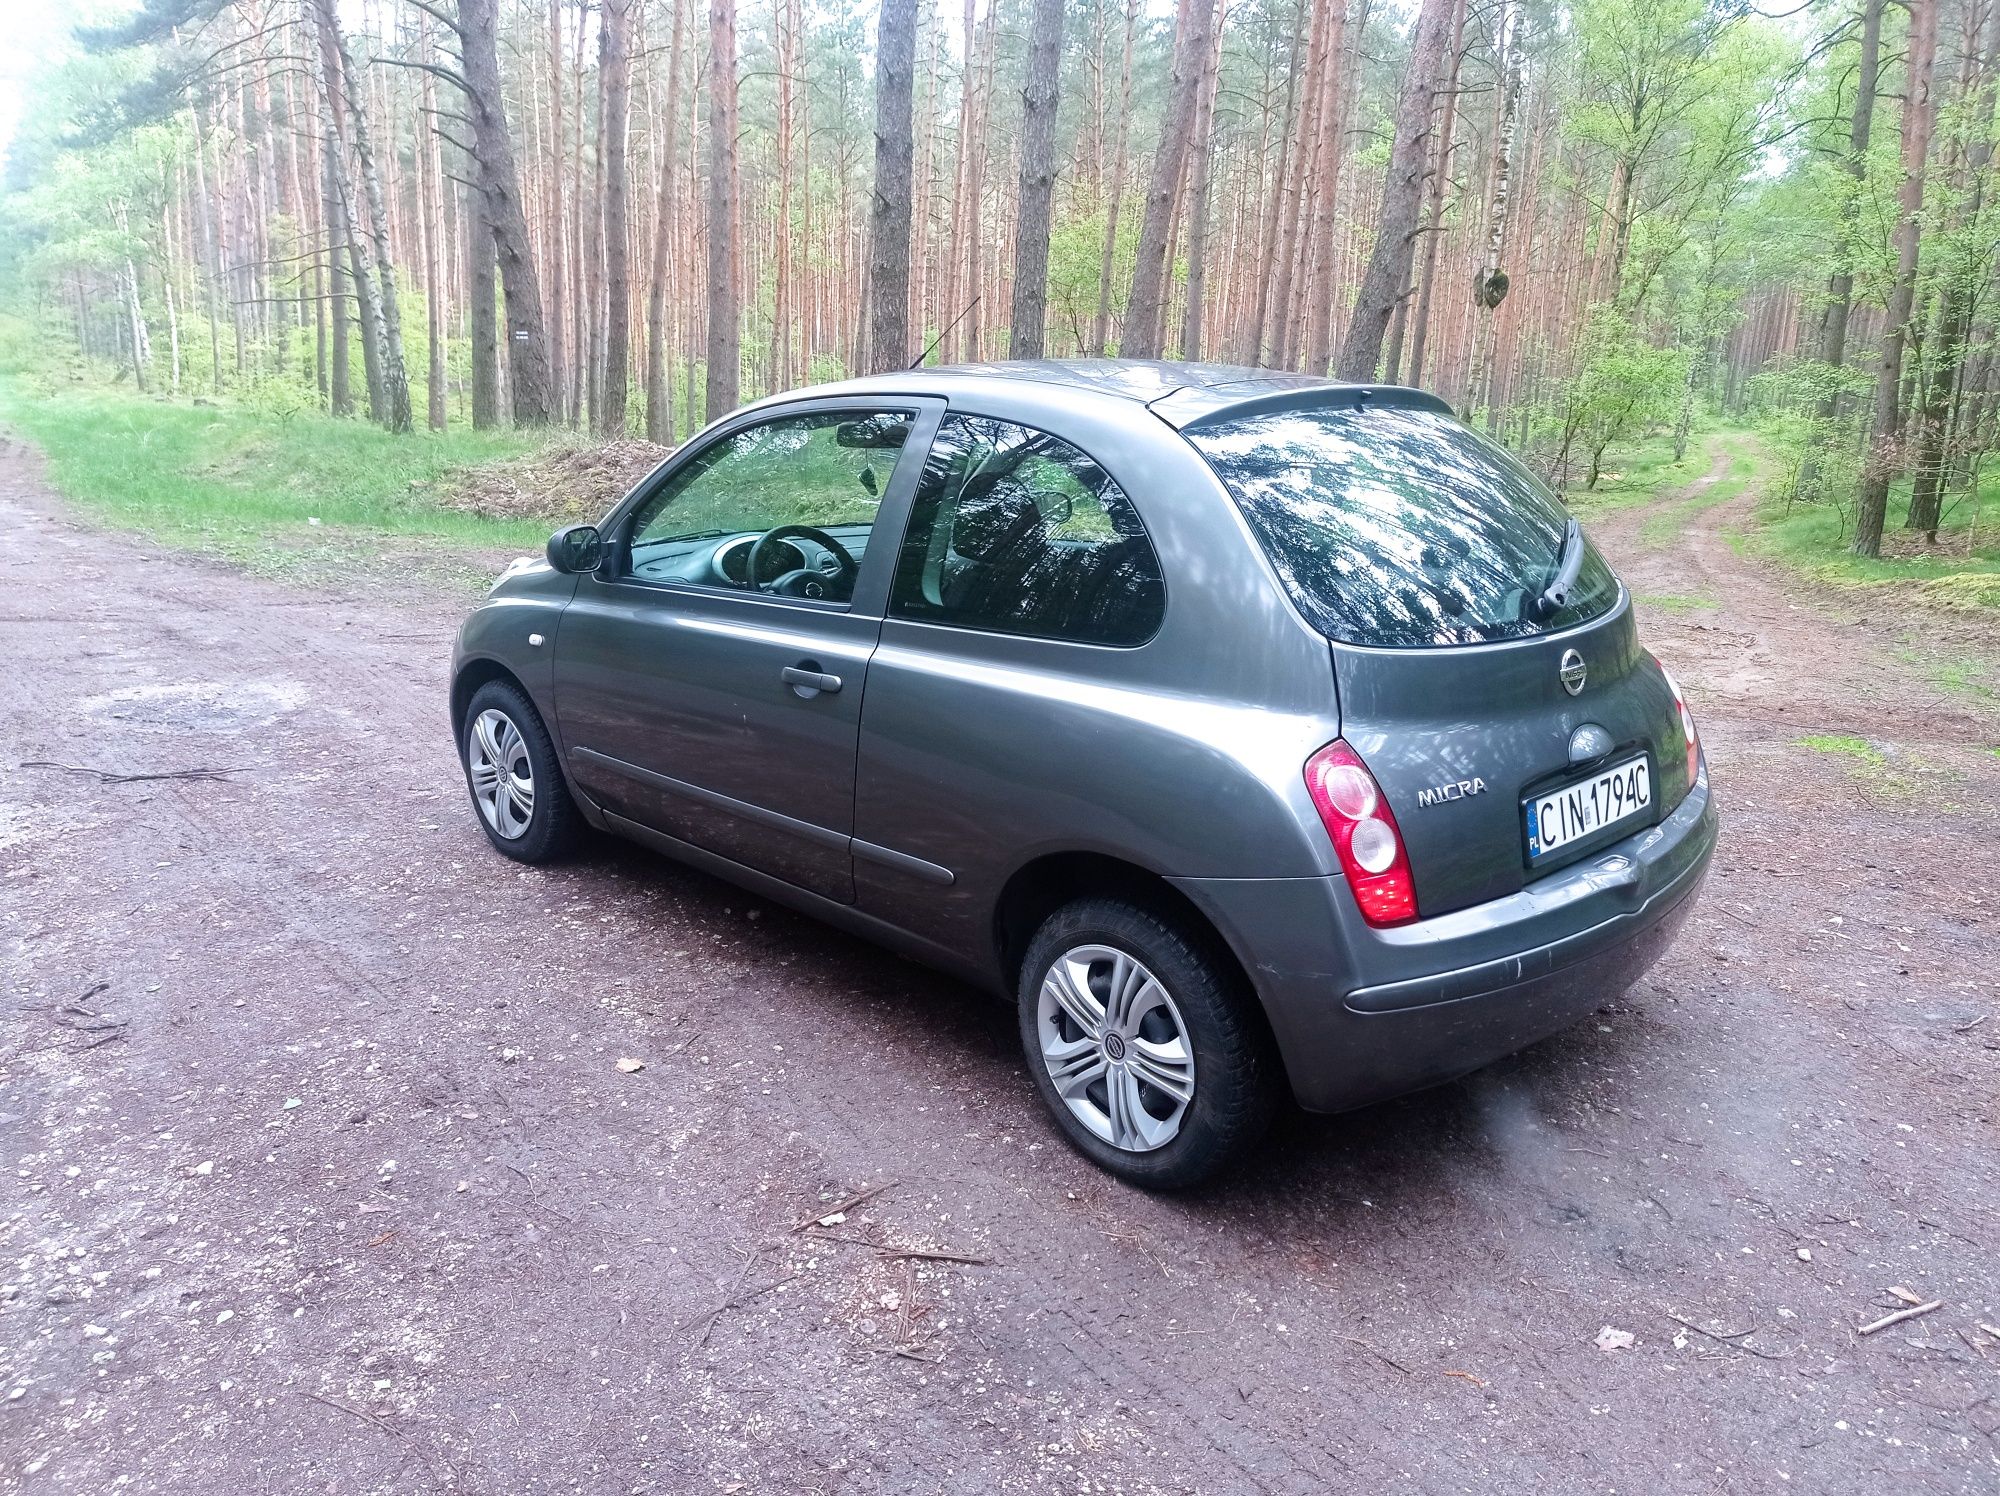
517 787
1143 1043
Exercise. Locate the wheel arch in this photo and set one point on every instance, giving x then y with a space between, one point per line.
473 674
1040 887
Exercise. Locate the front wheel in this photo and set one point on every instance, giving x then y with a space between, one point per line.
517 787
1144 1044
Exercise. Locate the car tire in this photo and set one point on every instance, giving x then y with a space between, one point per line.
502 726
1202 1009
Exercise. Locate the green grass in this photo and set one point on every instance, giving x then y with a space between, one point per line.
1637 474
1860 750
1963 578
1677 603
247 485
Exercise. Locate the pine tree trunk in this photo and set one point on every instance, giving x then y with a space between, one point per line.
1402 190
1192 314
480 291
659 375
1333 132
1957 298
1040 100
1919 114
614 63
1150 271
1440 179
1100 330
725 317
528 337
888 343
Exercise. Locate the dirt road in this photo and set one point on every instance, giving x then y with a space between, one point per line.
323 1175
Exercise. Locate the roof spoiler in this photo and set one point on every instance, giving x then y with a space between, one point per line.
1205 405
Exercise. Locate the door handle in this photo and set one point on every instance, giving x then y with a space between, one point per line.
808 682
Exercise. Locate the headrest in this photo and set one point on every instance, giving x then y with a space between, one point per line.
986 525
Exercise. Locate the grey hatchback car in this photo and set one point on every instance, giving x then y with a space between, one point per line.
1251 733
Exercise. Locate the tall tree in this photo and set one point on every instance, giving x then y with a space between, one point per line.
725 315
500 182
347 102
1145 308
1100 328
1402 192
1967 273
1039 101
659 376
614 63
1919 115
888 340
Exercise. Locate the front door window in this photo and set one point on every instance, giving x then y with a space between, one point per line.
785 507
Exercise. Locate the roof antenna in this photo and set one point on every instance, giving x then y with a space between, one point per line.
918 361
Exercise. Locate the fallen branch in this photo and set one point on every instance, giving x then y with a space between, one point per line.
845 1205
353 1412
1379 1355
108 776
893 1249
1729 1338
1899 1316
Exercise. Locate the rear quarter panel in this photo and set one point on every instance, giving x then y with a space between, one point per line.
981 752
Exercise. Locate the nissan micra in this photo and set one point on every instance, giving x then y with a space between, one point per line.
1253 734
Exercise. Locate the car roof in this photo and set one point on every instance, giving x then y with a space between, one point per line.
1181 394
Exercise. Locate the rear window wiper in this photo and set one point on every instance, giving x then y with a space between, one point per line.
1569 562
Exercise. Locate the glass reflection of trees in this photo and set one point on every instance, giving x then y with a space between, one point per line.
1400 527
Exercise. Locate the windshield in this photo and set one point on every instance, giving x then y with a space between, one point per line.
1401 528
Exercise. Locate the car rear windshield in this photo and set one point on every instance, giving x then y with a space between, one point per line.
1400 527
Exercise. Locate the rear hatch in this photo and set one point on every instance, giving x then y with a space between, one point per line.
1513 723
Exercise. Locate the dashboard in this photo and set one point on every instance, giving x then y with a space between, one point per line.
711 560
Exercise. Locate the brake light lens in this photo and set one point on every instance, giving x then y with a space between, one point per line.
1364 833
1687 723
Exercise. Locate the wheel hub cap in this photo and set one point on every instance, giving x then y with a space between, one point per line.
1116 1047
503 778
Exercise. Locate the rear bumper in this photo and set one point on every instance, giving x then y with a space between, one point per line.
1361 1015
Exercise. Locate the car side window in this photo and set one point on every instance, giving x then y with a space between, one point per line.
812 483
1017 531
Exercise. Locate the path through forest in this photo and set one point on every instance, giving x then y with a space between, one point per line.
325 1175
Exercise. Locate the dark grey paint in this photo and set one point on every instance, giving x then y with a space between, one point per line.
950 760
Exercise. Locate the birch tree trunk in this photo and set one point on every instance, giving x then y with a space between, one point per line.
342 85
1490 285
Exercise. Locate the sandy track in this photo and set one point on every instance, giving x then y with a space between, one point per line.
356 1200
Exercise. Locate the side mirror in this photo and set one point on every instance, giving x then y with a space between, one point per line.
575 548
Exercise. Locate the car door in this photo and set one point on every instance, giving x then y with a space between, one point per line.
721 704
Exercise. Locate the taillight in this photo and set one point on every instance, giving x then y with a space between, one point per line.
1687 722
1364 834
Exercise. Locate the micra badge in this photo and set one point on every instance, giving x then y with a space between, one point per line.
1458 790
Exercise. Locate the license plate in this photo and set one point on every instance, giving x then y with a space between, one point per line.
1558 817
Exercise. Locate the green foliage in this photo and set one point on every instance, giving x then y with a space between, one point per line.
1623 384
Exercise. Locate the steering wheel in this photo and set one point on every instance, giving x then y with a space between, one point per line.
806 581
